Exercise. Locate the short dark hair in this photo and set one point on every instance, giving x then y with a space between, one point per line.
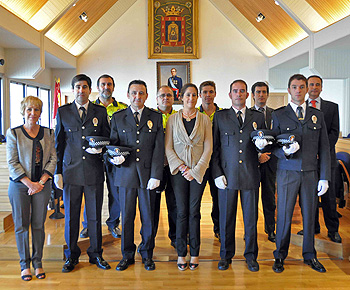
173 68
315 76
260 84
137 82
186 86
105 76
239 81
207 83
79 78
163 86
298 77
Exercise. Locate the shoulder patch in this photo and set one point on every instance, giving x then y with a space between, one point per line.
154 110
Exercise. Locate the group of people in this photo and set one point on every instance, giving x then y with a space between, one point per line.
177 152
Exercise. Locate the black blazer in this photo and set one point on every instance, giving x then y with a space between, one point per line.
147 142
234 153
77 166
314 145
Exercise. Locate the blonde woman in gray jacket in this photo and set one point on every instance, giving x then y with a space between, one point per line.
188 145
31 158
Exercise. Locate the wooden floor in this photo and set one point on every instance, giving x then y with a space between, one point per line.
86 276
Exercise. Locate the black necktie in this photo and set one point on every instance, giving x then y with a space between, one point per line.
136 117
83 115
300 113
262 110
239 117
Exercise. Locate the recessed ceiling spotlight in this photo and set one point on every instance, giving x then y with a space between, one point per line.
74 4
84 17
276 2
260 17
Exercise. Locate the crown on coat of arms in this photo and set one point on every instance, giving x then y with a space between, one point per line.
172 11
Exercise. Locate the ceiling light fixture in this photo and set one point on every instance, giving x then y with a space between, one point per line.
276 2
84 17
260 17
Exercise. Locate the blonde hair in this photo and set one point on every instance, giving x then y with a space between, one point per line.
31 100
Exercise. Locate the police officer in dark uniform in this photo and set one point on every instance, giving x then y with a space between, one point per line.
297 171
268 162
140 129
82 170
234 159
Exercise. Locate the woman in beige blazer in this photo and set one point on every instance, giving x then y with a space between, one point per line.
188 145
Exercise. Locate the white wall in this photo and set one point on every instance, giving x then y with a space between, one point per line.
225 54
2 55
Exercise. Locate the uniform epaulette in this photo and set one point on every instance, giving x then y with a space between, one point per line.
121 110
122 103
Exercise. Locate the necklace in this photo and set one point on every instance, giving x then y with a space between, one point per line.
188 116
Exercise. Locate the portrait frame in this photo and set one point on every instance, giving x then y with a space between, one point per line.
181 42
164 68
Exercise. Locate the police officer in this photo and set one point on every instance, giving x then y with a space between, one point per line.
234 159
297 171
105 86
141 129
207 93
268 162
81 172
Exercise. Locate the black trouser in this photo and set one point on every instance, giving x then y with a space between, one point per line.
165 184
72 197
329 207
215 215
289 184
268 188
188 200
127 199
228 211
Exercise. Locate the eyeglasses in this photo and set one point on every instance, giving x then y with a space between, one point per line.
162 96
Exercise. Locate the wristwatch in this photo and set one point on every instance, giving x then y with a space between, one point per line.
41 182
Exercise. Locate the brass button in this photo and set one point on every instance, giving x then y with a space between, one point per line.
137 159
138 132
137 141
240 161
240 151
84 157
82 137
241 131
83 127
240 141
137 150
83 147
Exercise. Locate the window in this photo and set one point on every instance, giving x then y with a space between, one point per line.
18 91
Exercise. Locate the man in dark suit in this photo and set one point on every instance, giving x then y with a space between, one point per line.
268 162
82 170
331 117
234 159
298 171
140 129
175 82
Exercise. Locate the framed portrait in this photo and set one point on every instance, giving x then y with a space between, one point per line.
174 74
173 29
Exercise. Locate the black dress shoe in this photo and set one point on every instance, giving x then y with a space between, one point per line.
335 237
271 236
252 265
149 264
124 264
84 233
115 232
100 262
301 233
69 265
278 266
224 264
315 265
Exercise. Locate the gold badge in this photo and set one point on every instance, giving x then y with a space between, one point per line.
255 126
95 121
314 119
149 124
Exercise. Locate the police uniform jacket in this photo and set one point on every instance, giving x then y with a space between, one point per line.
147 143
234 153
314 145
77 166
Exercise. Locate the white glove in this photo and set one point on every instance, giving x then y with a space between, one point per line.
221 182
260 143
58 180
118 160
153 183
294 147
322 187
94 150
